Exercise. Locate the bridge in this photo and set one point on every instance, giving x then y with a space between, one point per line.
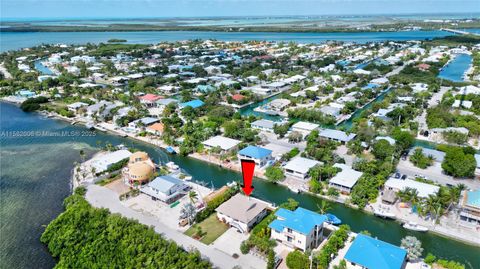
460 32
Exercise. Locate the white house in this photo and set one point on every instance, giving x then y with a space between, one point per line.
345 179
337 135
298 167
263 125
304 127
299 229
242 212
103 162
423 189
260 156
165 188
225 143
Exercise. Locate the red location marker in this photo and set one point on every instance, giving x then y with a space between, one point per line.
248 166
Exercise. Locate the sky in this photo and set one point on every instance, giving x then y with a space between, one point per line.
65 9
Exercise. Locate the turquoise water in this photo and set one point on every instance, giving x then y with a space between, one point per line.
42 68
35 179
13 41
455 69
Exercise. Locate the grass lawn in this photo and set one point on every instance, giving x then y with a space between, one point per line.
212 228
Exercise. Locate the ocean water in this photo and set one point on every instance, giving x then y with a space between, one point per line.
17 40
35 177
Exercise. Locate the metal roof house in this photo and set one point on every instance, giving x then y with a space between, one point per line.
102 163
263 125
345 179
242 212
371 253
300 229
437 155
298 167
423 189
193 104
304 127
261 156
165 188
225 143
337 135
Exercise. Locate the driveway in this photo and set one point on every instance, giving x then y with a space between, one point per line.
229 242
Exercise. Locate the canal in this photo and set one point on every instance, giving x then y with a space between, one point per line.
456 68
36 179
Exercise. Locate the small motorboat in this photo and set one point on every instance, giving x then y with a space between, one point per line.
231 184
172 166
384 214
170 150
413 226
332 219
90 125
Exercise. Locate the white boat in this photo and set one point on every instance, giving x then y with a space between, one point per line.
172 166
231 184
413 226
90 125
187 178
384 214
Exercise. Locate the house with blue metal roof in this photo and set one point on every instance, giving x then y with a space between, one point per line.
193 104
260 156
470 207
371 253
299 229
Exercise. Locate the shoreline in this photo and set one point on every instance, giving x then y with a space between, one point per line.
258 174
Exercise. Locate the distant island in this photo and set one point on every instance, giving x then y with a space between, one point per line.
294 24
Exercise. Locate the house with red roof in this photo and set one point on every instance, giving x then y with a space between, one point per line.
149 99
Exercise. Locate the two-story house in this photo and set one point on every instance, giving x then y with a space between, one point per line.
299 229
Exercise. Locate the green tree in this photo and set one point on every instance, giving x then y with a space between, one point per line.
281 129
297 260
274 173
382 149
459 164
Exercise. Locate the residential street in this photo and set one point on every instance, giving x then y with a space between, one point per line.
435 173
104 198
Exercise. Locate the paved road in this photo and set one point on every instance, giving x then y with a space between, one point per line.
104 198
435 173
436 97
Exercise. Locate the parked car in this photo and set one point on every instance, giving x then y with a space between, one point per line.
278 261
397 175
404 177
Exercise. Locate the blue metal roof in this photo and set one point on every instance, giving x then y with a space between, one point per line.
194 104
372 253
301 220
255 152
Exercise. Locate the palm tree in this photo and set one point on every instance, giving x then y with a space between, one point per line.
189 211
323 207
433 206
413 246
193 196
